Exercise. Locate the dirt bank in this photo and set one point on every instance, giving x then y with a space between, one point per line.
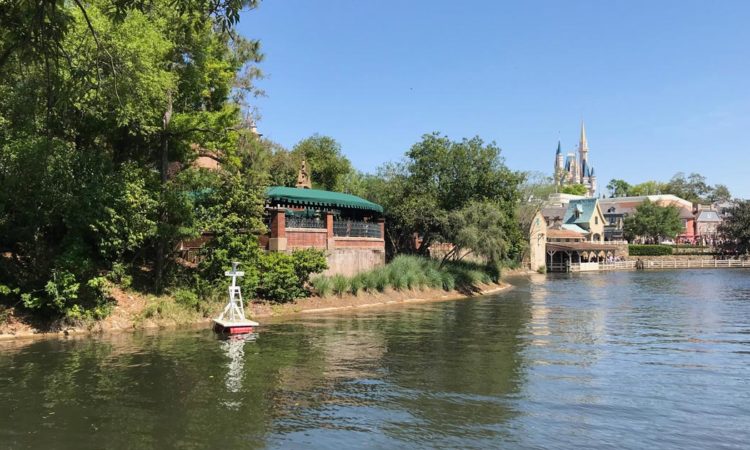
134 311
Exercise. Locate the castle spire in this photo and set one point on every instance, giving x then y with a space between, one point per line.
583 144
558 148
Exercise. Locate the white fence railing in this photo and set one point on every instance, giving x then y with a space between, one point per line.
658 264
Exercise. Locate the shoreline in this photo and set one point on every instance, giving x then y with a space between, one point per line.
127 321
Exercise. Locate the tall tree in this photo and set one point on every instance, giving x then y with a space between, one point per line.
437 178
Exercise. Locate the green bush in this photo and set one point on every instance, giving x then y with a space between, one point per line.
187 298
322 285
307 262
120 275
649 250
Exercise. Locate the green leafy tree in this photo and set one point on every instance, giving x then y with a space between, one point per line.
618 188
653 222
437 178
101 104
326 164
735 230
574 189
480 228
719 193
647 188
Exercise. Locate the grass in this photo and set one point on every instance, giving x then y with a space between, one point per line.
409 272
180 308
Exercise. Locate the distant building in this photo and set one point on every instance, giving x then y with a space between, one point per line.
616 209
573 169
585 216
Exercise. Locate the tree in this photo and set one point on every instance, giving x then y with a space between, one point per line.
533 193
720 193
479 228
735 230
693 188
647 188
653 222
102 105
327 165
574 189
437 178
618 188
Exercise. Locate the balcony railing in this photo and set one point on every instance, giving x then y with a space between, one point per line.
304 222
349 228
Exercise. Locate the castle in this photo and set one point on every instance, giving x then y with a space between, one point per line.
572 170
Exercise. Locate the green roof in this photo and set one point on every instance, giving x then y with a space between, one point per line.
573 227
585 208
316 197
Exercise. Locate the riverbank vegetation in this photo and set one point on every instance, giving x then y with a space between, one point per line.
410 273
105 111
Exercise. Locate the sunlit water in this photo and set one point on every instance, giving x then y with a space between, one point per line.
622 360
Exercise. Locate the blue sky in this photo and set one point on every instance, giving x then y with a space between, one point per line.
663 86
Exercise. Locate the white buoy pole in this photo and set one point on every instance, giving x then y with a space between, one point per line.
235 310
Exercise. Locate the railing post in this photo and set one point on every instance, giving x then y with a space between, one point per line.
277 242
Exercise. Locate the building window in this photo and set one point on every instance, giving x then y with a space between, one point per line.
596 220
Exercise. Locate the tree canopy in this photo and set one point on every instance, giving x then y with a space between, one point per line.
735 230
653 222
429 192
693 187
574 189
103 108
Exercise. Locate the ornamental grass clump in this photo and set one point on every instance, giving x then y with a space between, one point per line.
322 285
411 272
356 284
340 284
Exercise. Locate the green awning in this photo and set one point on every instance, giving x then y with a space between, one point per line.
316 197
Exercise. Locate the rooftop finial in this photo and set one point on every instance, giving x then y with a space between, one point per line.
303 177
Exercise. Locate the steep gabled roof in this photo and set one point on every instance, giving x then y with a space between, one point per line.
580 211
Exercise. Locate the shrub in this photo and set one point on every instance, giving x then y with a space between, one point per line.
322 285
282 277
541 269
187 298
307 262
120 275
649 250
340 284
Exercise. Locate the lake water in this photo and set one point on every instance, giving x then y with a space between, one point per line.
619 360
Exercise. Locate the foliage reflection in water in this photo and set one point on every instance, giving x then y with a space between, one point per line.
622 360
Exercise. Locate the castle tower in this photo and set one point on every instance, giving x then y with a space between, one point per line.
583 151
558 166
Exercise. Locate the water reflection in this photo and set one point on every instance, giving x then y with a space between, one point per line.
234 349
626 360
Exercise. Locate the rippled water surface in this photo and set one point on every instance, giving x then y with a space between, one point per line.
620 360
